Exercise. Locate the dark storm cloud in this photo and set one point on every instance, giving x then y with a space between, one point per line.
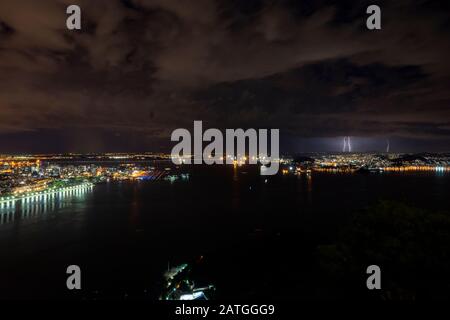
140 68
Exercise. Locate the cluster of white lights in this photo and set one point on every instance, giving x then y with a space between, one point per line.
51 191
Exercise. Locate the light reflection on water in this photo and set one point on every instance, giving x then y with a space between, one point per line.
40 206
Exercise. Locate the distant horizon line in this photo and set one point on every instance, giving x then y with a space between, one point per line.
155 153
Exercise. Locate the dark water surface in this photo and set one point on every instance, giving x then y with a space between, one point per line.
256 234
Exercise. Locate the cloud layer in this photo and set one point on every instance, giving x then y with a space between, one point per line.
141 68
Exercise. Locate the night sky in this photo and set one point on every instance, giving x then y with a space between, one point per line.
139 69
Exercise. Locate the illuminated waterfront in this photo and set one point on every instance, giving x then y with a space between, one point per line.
43 196
35 205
